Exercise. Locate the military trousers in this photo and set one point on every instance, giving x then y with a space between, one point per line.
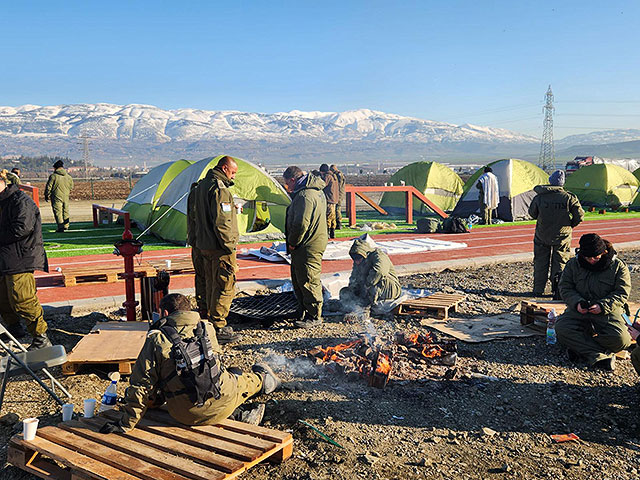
199 278
331 216
235 390
220 279
338 216
61 213
485 213
306 269
595 337
18 302
557 255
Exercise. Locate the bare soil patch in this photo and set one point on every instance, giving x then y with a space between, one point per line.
491 418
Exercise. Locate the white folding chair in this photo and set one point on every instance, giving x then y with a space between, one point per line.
30 362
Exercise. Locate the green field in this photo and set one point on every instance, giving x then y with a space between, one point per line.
84 239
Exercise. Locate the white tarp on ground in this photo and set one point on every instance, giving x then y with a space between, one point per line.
340 250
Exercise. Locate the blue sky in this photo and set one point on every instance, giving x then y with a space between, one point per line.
480 62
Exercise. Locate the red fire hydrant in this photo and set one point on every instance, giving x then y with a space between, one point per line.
129 248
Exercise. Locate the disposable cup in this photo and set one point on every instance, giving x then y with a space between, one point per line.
29 428
168 263
89 407
67 412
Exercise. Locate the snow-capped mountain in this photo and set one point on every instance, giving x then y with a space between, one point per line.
144 132
601 137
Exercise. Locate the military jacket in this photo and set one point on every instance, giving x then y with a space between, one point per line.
557 212
58 186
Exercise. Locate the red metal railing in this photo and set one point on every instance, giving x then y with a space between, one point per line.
410 191
34 192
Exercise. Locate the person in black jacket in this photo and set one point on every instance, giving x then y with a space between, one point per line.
21 252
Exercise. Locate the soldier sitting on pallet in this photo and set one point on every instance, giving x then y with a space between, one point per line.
180 362
373 281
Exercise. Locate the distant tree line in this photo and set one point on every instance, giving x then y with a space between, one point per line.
34 165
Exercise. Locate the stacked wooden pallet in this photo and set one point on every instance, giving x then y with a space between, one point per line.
71 276
182 265
158 449
437 304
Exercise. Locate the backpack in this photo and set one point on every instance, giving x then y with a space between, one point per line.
197 366
428 225
454 225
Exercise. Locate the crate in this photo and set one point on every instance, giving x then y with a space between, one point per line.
436 305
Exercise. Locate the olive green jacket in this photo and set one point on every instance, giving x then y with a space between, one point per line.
375 277
342 182
58 186
610 288
306 219
155 364
216 225
13 178
191 216
557 212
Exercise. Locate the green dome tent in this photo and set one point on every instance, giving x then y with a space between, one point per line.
264 202
145 193
438 182
636 173
603 185
516 180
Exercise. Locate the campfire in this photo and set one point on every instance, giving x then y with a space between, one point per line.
406 357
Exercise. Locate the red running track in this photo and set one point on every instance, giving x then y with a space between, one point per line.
482 242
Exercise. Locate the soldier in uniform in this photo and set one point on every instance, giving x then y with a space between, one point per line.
21 253
332 194
373 279
216 236
306 236
57 190
342 181
489 194
154 378
557 212
595 285
196 256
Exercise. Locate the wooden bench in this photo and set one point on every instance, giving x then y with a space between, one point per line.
157 449
437 304
71 276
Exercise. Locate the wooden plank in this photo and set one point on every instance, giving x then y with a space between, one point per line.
372 203
163 459
213 431
67 436
86 465
110 342
262 432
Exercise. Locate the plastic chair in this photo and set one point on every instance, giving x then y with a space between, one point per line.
29 362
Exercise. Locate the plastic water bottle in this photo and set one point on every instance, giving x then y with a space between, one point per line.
110 396
551 327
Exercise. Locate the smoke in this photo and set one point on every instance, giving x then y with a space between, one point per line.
299 366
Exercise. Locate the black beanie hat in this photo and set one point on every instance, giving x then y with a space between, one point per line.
58 164
324 168
591 245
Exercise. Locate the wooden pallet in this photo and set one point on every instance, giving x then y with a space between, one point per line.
71 276
179 265
158 449
108 343
535 312
437 304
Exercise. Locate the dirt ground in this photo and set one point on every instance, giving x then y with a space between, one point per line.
493 419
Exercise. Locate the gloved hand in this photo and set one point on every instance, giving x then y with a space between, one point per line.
111 427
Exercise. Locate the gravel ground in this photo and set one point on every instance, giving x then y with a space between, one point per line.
492 420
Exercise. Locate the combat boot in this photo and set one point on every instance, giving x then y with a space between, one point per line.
227 335
270 381
40 341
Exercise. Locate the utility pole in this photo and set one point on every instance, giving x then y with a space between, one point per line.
85 153
547 159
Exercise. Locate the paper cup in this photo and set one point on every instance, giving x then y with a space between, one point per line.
29 428
168 264
89 407
67 412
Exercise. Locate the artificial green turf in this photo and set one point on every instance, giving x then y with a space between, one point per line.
83 238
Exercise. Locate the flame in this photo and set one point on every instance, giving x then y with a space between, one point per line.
383 365
330 352
426 340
